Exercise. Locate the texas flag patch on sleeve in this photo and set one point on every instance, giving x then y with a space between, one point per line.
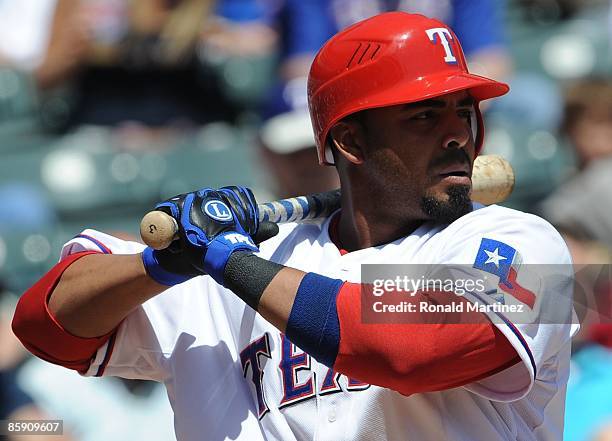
503 261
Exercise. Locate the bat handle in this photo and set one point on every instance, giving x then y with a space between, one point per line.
158 229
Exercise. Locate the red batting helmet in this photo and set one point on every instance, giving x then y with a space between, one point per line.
392 58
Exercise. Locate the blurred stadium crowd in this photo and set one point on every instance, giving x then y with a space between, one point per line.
108 106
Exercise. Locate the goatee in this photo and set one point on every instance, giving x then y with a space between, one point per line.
457 205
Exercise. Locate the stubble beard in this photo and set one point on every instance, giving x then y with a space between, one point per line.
458 204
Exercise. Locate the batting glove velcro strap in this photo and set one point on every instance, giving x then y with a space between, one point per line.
221 248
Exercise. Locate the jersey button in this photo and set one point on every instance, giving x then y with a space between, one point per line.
331 416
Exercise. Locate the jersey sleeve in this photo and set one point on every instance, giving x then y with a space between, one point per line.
139 347
525 273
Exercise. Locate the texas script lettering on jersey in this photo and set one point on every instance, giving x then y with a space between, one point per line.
293 360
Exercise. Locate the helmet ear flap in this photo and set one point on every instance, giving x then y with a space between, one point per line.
329 156
478 128
474 125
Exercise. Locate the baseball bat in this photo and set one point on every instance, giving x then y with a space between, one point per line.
492 182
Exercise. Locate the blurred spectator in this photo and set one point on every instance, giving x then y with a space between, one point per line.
24 208
25 211
588 119
547 11
286 136
535 103
580 208
289 146
303 27
138 60
24 32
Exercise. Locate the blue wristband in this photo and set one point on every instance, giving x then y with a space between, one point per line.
157 273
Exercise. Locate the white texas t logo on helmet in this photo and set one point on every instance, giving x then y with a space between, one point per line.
444 35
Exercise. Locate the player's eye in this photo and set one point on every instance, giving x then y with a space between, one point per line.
467 114
423 116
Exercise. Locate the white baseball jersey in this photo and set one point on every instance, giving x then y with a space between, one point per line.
232 375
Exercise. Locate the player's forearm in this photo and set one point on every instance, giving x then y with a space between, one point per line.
265 286
98 291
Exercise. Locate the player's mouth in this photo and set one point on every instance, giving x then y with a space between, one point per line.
456 174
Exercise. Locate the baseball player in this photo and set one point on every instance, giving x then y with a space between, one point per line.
267 341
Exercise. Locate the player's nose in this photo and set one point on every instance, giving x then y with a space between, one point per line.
458 132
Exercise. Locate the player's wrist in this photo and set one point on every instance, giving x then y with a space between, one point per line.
220 251
248 275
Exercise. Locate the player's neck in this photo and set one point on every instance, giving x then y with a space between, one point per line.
359 228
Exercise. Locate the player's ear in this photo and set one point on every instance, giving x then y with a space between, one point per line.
349 141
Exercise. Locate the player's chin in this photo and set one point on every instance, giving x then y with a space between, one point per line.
449 188
447 204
